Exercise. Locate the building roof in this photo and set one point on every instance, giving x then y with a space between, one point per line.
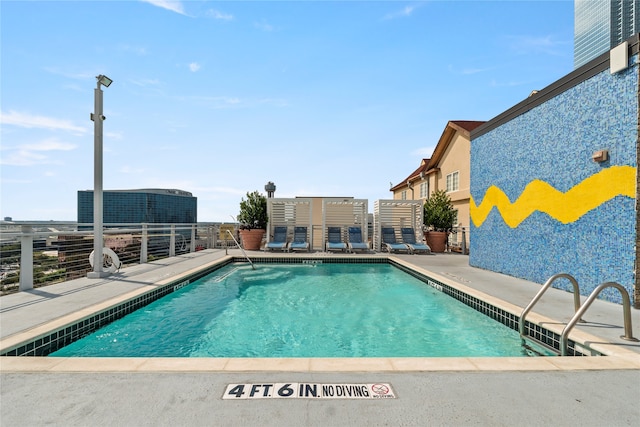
431 165
467 125
170 191
414 175
463 127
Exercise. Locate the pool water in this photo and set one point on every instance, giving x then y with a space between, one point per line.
316 310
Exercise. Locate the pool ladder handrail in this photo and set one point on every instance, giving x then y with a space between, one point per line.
548 283
242 249
626 311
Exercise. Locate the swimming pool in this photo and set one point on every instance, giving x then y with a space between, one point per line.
305 310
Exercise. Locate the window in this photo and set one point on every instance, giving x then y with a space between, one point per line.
403 195
453 183
424 190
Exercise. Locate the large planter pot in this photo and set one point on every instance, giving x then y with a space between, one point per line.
437 240
252 239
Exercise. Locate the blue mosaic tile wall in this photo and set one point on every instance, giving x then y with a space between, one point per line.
554 143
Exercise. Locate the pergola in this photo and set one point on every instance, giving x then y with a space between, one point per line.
397 214
343 213
290 213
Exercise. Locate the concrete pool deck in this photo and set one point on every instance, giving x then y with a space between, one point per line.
434 391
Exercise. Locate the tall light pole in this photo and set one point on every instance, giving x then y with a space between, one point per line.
98 118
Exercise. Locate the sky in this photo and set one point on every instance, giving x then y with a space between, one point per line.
323 98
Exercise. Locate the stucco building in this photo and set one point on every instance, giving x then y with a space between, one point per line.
448 169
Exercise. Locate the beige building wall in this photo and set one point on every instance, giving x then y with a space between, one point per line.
456 158
452 154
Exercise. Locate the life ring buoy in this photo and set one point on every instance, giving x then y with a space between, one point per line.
112 266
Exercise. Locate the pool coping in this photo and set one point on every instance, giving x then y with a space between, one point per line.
616 357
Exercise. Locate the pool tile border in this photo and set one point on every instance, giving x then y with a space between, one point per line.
507 318
50 341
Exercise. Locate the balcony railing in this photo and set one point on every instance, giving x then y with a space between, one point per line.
35 254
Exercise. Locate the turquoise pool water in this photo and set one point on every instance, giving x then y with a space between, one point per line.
323 310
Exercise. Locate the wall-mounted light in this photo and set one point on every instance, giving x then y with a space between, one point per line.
600 156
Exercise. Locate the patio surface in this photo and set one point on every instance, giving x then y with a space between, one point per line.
429 391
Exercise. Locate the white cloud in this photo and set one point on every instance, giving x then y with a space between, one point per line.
234 102
26 120
113 135
469 71
22 158
51 144
138 50
70 75
130 170
174 6
219 190
34 154
216 14
424 152
145 82
537 44
194 66
214 101
402 13
264 26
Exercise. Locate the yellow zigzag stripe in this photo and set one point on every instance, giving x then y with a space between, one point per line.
565 207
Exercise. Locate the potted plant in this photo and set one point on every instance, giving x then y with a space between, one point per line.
439 218
253 220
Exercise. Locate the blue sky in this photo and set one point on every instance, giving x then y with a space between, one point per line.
325 98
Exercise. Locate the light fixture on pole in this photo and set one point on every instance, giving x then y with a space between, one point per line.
104 81
98 118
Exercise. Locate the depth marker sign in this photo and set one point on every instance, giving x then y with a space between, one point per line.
308 391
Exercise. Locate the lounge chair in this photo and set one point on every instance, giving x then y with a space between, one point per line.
334 237
409 238
299 239
279 239
355 242
390 243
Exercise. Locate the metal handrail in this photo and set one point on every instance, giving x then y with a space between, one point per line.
242 249
576 298
626 310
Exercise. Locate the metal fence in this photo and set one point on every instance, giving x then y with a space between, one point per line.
34 254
